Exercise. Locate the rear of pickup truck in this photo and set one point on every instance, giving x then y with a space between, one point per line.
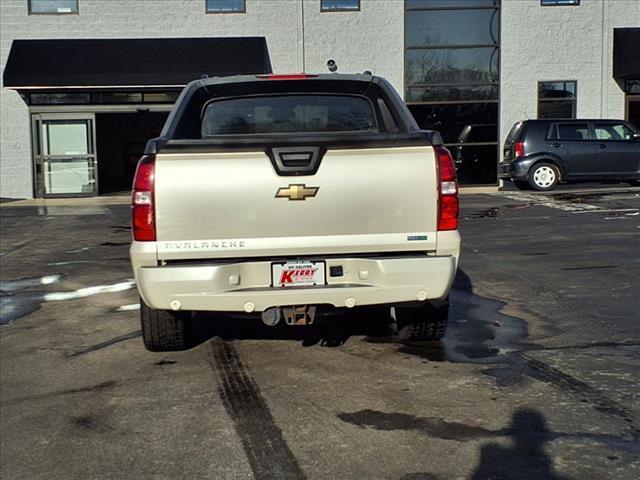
285 196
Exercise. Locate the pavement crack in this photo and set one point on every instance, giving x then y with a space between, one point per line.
265 447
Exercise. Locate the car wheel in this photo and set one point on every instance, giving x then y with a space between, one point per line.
426 323
522 185
164 330
544 176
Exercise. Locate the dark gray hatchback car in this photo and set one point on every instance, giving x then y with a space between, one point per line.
539 154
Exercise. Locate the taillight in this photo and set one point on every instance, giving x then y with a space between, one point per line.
447 190
518 149
143 217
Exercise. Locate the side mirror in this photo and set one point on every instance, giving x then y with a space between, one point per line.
635 137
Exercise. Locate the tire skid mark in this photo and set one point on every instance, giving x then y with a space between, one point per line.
264 445
597 399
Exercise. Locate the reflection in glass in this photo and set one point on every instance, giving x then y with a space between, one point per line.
557 89
632 86
452 65
53 6
451 27
161 97
450 3
58 98
225 6
116 97
557 109
438 93
450 119
69 176
333 5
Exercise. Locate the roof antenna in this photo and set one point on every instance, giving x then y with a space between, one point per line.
332 65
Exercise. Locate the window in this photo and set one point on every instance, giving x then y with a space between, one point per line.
555 3
56 7
572 131
288 114
452 74
339 5
226 6
613 132
557 99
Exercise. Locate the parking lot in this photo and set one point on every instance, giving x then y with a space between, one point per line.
537 378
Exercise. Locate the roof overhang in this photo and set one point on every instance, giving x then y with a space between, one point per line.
130 63
626 53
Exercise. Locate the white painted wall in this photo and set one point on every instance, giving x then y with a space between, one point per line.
371 39
561 43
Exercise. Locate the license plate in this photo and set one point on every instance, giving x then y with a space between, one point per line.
297 274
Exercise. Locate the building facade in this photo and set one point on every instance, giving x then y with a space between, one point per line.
469 68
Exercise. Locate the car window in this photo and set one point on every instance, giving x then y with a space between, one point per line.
573 131
612 131
288 114
513 133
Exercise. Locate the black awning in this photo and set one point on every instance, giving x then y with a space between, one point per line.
626 53
131 62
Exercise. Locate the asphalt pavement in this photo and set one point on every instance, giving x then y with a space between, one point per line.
537 378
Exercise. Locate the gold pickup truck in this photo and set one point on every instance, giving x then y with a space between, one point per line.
285 196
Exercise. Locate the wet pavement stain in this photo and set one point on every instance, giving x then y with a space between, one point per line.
90 423
22 296
480 333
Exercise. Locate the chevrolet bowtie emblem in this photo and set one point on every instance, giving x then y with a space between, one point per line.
297 192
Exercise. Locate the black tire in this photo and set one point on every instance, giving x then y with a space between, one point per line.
522 184
164 330
426 323
544 176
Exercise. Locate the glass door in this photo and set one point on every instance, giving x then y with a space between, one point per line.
65 154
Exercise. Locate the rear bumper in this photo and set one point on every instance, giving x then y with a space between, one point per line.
246 286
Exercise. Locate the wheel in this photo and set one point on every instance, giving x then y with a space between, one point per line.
164 330
426 323
522 185
544 176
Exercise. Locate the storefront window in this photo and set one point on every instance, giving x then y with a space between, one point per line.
339 5
452 79
225 6
55 7
557 99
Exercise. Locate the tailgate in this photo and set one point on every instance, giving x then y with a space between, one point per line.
211 205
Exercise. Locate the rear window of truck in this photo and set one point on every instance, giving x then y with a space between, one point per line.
288 114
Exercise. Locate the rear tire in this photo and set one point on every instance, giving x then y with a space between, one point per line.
426 323
544 176
164 330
